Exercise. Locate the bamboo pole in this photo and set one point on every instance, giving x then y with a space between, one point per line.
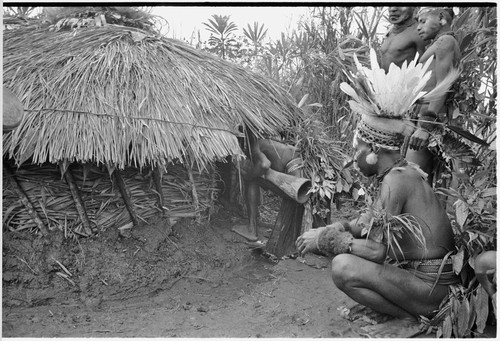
25 200
157 181
77 198
126 199
196 201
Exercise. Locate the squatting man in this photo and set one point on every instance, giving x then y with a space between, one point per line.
359 267
394 275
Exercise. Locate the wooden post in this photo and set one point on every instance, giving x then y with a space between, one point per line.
126 199
196 202
286 228
80 206
25 200
157 181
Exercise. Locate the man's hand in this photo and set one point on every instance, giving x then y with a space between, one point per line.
308 241
419 139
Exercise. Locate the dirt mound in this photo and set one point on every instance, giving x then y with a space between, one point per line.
114 265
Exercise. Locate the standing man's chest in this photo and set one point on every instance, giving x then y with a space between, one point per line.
399 42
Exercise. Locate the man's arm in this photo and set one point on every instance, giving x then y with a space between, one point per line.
443 51
391 199
444 55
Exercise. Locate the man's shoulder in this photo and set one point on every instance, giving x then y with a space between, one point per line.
446 41
402 176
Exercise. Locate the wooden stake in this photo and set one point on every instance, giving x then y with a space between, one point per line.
157 181
26 202
196 201
126 199
80 206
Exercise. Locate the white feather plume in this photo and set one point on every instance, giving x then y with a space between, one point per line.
392 94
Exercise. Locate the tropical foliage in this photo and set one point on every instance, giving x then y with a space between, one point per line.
222 42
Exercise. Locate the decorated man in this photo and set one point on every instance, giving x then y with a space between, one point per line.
395 257
402 42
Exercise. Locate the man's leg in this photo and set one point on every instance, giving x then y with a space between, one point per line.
253 197
385 288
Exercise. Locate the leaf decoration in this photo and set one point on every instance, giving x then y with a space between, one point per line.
462 211
481 308
463 318
458 261
456 149
447 328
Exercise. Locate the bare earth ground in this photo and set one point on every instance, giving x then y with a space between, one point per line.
185 281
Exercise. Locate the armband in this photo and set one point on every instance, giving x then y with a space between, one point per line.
333 240
429 116
317 244
427 120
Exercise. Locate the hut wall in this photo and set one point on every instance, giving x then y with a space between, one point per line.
52 199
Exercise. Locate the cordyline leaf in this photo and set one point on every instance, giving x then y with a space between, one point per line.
481 308
489 192
462 211
458 261
472 310
463 318
447 327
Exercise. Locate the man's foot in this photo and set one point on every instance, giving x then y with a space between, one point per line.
395 328
242 230
316 261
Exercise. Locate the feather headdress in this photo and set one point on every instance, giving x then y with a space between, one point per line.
384 100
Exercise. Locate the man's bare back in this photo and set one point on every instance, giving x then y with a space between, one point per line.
405 191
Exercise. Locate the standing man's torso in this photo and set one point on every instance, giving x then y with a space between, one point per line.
398 47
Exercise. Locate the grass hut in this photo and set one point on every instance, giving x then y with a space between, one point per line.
121 124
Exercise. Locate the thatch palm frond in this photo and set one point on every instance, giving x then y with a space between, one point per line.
76 17
122 96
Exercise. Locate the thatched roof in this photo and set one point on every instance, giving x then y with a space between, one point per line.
121 96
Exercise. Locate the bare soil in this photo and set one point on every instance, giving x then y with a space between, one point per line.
192 280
